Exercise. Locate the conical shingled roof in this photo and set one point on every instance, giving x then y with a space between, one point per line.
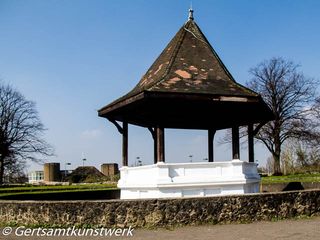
189 65
188 86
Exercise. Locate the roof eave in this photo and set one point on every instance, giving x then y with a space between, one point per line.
118 104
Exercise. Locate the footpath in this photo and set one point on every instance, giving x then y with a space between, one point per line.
294 229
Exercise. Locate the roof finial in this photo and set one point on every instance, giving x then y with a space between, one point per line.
190 17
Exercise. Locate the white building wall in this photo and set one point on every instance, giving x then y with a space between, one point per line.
36 176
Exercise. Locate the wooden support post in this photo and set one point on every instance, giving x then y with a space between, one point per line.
155 154
125 144
250 143
235 143
154 137
211 133
160 144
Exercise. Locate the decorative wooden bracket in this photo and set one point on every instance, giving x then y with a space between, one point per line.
153 132
120 129
256 130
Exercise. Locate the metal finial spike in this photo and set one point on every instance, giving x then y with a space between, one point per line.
190 17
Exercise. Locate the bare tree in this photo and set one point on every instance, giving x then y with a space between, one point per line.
270 165
20 130
300 156
290 95
15 173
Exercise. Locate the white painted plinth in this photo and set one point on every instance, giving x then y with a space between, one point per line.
173 180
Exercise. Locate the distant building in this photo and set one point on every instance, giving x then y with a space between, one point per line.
52 172
109 169
36 177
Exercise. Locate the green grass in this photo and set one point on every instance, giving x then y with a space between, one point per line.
30 190
55 188
52 192
311 177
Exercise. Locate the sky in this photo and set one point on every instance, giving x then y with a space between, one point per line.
74 57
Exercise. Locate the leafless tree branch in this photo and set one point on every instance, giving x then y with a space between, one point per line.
21 131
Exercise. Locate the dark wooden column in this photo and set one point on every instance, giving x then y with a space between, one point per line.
155 146
125 144
211 133
250 143
235 143
153 132
160 144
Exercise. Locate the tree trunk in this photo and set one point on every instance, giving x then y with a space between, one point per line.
1 170
276 156
276 165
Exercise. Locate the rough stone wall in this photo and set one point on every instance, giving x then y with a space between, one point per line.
162 212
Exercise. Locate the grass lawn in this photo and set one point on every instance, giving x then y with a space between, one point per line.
49 192
26 191
54 189
311 177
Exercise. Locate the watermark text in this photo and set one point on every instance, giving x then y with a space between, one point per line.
23 231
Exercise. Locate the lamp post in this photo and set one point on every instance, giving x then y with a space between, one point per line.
83 160
190 156
137 161
65 168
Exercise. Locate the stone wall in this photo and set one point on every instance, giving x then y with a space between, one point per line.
162 212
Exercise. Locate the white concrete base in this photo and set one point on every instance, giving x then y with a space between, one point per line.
173 180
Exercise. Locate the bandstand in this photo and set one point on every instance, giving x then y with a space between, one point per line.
188 87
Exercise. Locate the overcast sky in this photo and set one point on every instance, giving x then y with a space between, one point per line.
73 57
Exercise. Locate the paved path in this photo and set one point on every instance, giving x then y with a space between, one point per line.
303 229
